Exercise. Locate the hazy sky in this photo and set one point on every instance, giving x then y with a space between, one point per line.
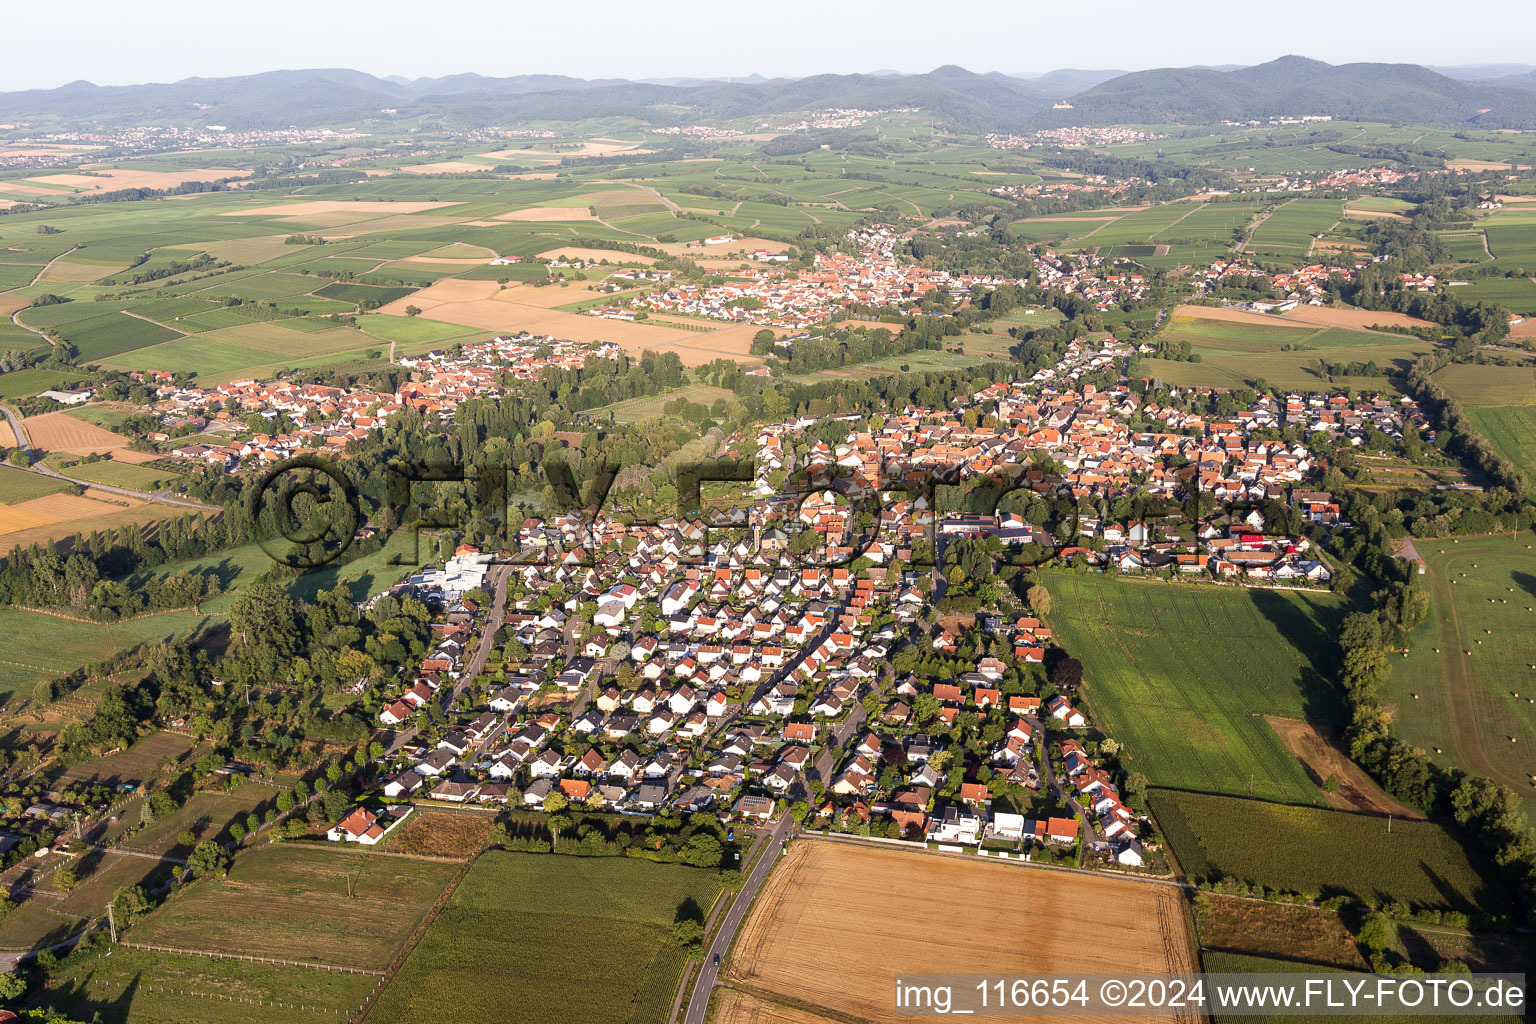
110 42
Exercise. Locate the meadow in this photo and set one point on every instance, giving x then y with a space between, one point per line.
1474 384
37 646
536 918
1465 691
1182 675
131 986
346 908
1511 429
1322 852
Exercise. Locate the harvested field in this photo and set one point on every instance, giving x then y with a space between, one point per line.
446 167
735 1007
66 272
1478 165
597 255
543 213
60 432
1330 316
475 304
828 898
109 179
1232 316
1323 759
69 515
56 508
7 439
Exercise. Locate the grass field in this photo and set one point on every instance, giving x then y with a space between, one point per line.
1517 294
1322 852
1288 231
1181 675
207 815
832 903
123 474
1511 429
1454 695
34 646
133 986
292 901
141 761
539 918
1473 384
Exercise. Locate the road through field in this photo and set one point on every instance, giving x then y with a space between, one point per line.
709 973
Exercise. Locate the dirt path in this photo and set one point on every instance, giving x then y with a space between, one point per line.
1254 227
157 323
15 317
1323 757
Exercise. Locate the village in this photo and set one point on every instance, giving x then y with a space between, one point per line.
706 664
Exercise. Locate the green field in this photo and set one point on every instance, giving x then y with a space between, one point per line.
536 918
1461 707
1285 354
1517 294
1288 232
123 474
31 381
291 901
39 646
1485 384
133 986
1322 852
1181 674
18 485
1511 429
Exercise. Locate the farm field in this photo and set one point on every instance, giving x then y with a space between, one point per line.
61 515
291 901
827 898
17 485
1461 707
206 814
1517 294
1315 851
1475 385
1288 232
116 473
1181 673
532 916
134 986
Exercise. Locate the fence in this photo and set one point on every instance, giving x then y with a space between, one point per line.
254 959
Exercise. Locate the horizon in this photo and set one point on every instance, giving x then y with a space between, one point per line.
760 77
111 46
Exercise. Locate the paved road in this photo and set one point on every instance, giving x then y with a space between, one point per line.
500 575
25 444
821 771
698 1006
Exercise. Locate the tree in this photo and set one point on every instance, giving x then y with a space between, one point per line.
1136 784
702 851
129 903
1377 933
66 878
208 859
413 311
12 987
1039 599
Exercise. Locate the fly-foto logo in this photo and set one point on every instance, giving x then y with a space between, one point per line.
308 511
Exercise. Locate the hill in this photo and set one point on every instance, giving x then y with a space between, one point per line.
1296 86
315 97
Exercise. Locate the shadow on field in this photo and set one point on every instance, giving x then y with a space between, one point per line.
75 1000
1525 581
1309 630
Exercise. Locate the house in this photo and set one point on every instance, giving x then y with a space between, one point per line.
1061 830
1062 710
402 784
754 806
361 826
455 791
800 732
